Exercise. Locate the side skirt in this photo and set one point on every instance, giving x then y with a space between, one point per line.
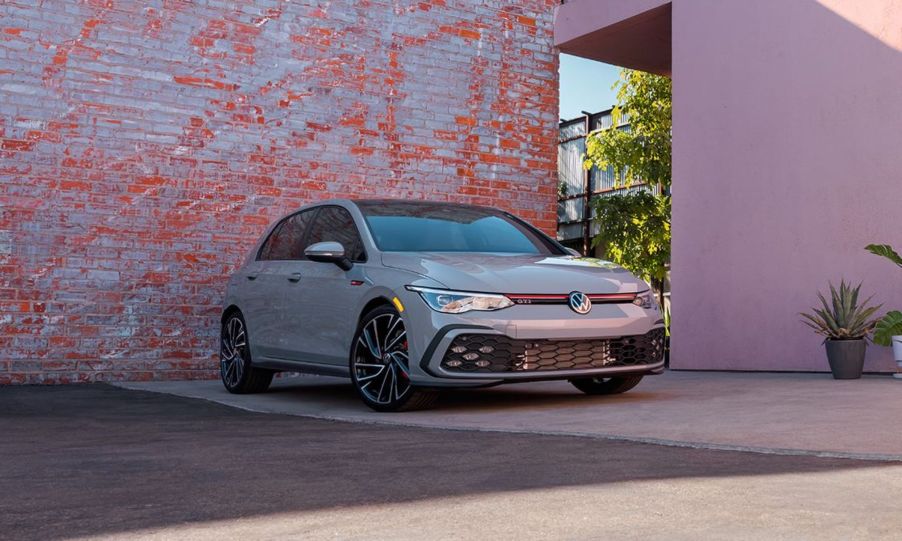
285 365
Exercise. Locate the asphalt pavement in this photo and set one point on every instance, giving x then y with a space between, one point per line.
95 461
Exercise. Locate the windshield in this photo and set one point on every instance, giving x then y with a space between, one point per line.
399 226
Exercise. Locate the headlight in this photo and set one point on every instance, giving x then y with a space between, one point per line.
458 302
646 300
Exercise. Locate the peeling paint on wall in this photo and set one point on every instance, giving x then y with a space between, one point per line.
145 146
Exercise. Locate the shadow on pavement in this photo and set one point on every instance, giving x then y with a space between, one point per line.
93 460
503 397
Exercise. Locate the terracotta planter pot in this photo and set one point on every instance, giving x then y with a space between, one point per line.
846 358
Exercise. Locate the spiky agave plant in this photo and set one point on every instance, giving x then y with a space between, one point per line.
843 318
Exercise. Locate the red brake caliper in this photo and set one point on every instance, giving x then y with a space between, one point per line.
404 374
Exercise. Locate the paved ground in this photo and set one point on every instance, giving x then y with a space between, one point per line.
810 413
98 461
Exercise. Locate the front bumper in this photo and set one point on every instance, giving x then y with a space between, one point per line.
532 343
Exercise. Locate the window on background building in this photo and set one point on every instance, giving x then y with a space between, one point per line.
577 187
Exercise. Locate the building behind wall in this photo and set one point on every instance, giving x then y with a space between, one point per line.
577 186
144 146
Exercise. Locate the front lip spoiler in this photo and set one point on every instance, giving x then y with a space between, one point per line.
549 375
545 375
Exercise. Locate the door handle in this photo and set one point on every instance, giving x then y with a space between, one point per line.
294 277
252 276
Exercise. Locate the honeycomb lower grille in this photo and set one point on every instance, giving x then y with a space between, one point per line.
497 353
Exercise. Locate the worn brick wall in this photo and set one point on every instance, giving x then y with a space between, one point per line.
146 145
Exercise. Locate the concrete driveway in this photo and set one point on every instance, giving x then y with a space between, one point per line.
94 461
771 413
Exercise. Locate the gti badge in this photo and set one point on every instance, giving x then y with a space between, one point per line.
579 302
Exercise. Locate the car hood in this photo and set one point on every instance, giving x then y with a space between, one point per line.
524 274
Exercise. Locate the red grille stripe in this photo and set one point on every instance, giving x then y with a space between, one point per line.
613 297
595 297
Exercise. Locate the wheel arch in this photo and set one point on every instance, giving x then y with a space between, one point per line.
372 304
231 309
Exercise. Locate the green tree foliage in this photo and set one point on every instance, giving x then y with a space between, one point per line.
635 227
635 233
642 153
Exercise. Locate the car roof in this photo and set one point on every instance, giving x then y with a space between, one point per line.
388 201
420 202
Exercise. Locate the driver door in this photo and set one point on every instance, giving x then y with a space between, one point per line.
325 295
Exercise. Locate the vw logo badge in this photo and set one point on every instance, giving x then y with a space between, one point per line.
579 302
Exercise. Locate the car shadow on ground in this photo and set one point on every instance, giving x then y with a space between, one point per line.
95 460
331 393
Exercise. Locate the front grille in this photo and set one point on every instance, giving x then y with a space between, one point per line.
497 353
596 298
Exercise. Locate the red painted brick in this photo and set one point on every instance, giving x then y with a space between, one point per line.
135 178
12 144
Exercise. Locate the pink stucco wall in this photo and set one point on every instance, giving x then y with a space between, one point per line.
787 162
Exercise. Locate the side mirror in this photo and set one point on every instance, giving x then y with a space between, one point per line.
328 252
573 252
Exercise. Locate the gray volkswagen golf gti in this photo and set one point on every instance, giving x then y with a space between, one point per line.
407 298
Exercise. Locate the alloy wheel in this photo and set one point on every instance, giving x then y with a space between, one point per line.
233 352
380 361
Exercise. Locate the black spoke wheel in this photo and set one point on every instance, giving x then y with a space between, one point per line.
611 385
380 365
235 369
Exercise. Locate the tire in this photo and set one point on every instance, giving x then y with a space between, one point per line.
600 386
235 367
379 364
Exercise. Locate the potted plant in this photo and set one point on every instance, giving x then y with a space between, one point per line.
889 332
889 329
846 325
